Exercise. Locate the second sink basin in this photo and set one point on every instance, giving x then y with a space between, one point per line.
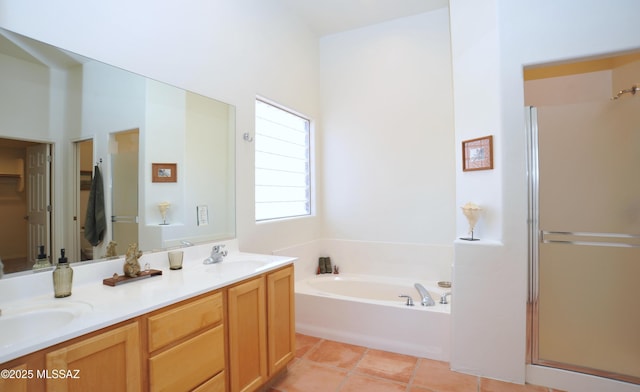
27 321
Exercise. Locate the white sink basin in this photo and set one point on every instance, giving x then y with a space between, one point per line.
236 267
35 319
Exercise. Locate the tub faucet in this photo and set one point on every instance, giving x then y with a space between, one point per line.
424 294
409 299
216 256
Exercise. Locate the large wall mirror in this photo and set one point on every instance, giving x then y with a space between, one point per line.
166 157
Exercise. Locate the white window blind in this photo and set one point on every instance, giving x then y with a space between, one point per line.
281 163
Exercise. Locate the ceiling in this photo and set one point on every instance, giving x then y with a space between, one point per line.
326 17
323 17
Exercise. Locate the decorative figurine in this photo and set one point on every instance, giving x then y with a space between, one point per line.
111 249
131 264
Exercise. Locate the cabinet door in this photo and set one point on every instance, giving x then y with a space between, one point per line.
109 362
280 318
247 336
23 374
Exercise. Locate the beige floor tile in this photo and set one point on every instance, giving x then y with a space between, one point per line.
419 389
307 376
362 383
305 343
387 365
327 366
436 376
342 355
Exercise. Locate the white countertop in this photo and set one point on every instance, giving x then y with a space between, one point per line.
101 305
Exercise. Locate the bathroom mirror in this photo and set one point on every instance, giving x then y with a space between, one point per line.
79 108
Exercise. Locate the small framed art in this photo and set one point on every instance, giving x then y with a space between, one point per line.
477 154
164 172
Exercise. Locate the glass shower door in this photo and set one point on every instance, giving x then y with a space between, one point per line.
586 238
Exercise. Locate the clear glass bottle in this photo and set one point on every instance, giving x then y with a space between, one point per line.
62 277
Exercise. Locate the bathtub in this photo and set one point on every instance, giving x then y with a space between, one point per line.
366 311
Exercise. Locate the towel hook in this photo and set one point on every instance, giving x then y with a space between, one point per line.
247 137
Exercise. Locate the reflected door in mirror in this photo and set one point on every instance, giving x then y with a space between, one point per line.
124 191
24 199
84 170
38 198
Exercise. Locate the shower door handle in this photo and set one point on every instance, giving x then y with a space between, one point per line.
588 238
124 218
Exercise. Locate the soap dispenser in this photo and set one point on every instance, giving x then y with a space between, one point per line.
42 261
62 277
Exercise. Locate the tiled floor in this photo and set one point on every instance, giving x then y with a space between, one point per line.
327 366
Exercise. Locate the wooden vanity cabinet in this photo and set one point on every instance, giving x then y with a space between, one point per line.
261 329
234 339
26 380
104 361
186 346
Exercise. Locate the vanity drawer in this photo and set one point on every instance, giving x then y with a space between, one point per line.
174 324
190 363
216 384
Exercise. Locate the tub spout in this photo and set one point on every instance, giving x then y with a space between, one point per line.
424 294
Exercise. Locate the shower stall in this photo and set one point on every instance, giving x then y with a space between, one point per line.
584 201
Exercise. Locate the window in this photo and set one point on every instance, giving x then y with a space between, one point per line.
282 163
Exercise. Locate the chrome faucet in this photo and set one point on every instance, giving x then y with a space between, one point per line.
424 294
443 298
409 299
216 256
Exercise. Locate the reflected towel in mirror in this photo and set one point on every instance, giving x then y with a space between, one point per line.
95 223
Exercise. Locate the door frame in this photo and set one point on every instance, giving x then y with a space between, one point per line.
76 240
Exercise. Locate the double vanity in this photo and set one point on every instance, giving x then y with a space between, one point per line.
227 326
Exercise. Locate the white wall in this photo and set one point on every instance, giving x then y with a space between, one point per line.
387 140
491 41
16 93
228 50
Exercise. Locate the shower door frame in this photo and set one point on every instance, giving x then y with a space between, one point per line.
534 240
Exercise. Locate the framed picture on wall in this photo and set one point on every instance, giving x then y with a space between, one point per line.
164 172
477 154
